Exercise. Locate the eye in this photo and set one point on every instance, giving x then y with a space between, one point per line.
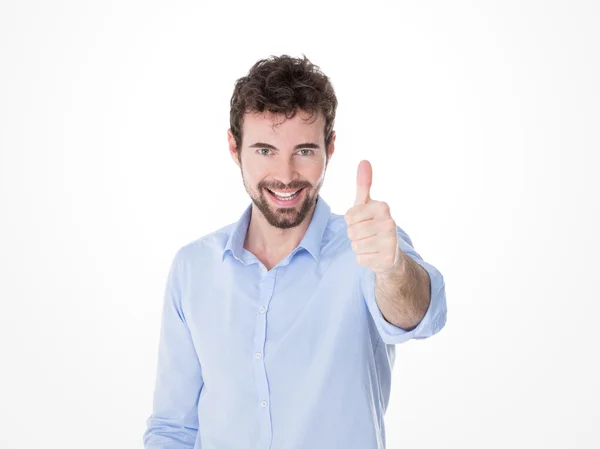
263 149
310 151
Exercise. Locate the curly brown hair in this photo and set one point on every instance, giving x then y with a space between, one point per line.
282 85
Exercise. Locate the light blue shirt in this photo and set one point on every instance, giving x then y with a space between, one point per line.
296 357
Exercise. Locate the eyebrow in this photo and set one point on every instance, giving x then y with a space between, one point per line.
297 147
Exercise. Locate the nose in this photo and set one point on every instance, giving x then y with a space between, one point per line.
285 171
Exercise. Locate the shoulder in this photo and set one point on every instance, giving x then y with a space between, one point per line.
337 226
336 238
206 246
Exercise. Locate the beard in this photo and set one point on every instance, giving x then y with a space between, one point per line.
284 217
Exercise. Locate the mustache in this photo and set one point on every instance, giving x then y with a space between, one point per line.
283 187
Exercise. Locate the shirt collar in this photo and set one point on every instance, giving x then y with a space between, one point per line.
311 240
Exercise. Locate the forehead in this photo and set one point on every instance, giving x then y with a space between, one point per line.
271 128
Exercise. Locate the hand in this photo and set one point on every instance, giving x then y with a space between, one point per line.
371 227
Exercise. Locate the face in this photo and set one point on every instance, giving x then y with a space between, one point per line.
280 157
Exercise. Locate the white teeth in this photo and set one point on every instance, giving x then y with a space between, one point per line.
284 195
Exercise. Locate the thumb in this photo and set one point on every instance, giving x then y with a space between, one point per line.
364 178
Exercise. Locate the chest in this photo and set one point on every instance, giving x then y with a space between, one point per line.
288 315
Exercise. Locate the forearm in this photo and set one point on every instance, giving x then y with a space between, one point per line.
403 293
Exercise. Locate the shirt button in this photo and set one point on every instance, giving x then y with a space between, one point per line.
263 404
263 310
258 355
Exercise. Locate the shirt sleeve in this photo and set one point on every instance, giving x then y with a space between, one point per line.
435 317
173 423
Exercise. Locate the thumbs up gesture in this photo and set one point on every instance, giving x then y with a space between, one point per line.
371 227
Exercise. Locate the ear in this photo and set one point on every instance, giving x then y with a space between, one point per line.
232 147
331 148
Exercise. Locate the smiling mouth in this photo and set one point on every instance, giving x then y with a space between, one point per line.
286 197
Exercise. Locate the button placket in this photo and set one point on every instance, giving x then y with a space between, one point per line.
266 288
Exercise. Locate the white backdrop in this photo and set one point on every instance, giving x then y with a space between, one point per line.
480 120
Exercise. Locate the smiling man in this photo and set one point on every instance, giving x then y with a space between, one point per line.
279 330
282 177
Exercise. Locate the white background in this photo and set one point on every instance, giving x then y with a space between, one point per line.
480 120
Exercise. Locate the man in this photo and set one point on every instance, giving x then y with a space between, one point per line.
279 330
